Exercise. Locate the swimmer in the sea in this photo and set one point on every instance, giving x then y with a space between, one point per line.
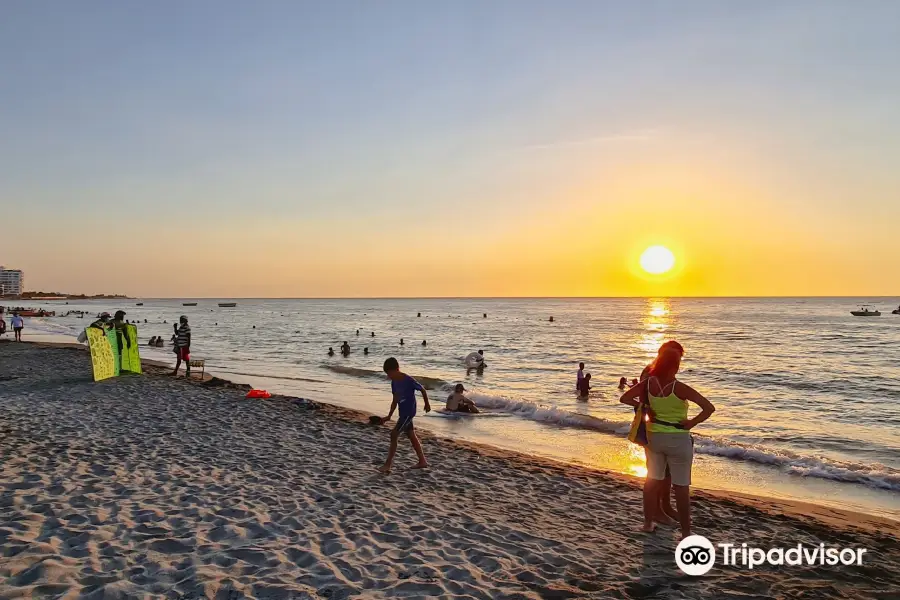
584 387
345 348
330 351
424 342
623 383
366 350
401 341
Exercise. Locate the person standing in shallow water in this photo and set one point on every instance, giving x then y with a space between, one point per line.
183 346
668 432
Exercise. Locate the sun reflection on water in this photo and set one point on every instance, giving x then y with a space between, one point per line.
637 462
656 323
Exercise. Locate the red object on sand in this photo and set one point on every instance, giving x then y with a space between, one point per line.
258 394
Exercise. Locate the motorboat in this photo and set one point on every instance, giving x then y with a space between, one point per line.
227 304
138 303
865 311
33 312
189 304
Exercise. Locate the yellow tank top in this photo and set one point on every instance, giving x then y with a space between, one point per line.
669 408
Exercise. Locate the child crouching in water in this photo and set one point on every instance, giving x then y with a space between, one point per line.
404 390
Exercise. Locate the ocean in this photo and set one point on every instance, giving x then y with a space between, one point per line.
807 396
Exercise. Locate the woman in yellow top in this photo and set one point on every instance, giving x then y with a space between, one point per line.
668 432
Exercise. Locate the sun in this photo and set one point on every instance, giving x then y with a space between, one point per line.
657 260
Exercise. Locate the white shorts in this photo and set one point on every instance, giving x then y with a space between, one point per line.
674 450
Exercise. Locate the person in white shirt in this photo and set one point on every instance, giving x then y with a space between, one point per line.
580 376
457 401
18 324
475 360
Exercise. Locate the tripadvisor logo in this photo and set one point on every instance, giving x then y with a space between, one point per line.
696 555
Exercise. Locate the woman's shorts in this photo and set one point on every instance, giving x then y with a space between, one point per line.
673 450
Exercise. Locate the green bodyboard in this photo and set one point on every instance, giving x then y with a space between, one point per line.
114 344
131 356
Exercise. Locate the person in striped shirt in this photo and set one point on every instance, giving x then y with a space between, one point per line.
183 346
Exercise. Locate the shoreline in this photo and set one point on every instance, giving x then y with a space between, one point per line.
829 515
154 486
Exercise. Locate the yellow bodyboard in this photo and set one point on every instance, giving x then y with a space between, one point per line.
102 359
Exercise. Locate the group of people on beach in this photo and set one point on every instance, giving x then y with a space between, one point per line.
658 398
181 336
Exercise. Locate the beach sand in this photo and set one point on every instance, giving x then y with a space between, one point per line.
155 487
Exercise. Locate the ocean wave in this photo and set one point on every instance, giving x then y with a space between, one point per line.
544 414
873 475
429 383
43 325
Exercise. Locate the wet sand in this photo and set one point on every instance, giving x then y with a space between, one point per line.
155 487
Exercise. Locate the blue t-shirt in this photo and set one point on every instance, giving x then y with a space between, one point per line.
404 391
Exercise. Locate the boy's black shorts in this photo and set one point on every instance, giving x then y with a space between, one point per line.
404 424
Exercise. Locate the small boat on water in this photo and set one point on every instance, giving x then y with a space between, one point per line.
896 312
138 303
865 311
189 304
227 304
33 312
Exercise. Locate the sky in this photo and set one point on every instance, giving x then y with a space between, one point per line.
466 148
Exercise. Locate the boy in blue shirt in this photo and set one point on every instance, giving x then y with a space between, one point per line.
404 390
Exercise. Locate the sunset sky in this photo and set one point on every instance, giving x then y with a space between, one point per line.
468 148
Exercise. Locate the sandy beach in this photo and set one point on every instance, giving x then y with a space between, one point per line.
155 487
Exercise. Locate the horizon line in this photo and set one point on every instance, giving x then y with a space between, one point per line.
458 297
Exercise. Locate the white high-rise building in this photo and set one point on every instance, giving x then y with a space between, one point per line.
12 281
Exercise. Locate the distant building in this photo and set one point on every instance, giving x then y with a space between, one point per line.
12 281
